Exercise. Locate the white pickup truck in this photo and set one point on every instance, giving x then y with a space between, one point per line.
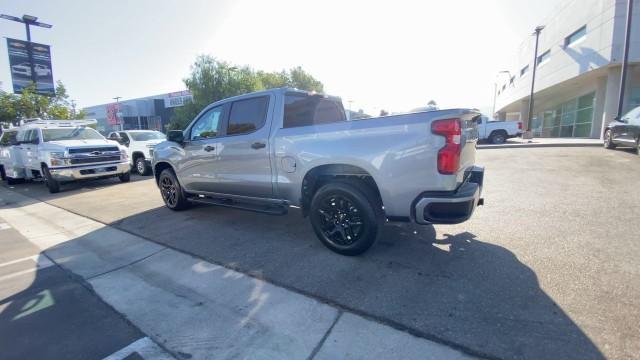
64 150
497 132
139 145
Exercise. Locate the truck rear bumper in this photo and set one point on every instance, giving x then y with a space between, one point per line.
451 207
90 171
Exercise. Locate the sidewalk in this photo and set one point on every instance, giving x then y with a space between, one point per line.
196 309
542 142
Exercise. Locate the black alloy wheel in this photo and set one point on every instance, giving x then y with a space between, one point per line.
341 220
346 216
172 194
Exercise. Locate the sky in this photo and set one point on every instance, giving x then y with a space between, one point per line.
393 55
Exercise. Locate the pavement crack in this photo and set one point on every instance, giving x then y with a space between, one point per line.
317 348
125 265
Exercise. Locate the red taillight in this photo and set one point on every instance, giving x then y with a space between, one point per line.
449 155
519 125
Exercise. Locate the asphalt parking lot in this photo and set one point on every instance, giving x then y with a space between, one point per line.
546 269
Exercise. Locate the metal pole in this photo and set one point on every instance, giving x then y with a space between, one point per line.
30 53
625 57
495 94
538 29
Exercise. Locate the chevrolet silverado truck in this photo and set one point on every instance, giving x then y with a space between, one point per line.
65 150
139 145
497 132
275 149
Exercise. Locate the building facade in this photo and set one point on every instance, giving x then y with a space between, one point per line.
577 83
151 112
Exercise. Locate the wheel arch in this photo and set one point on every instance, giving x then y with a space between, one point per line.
319 175
159 167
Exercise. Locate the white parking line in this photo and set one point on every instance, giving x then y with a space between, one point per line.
41 263
4 226
144 347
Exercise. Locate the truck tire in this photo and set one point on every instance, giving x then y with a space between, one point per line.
608 140
13 181
141 166
126 177
172 193
498 137
52 184
346 216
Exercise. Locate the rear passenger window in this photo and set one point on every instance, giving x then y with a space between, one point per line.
8 138
247 115
306 110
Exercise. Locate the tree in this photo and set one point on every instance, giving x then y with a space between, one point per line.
211 80
432 105
30 104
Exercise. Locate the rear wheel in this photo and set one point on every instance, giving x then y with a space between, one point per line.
142 167
498 137
171 191
608 140
3 175
52 184
346 216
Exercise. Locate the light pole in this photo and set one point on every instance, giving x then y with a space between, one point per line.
28 20
625 56
536 32
117 99
495 90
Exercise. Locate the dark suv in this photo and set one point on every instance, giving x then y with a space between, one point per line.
624 131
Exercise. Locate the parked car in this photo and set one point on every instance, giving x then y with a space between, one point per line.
624 131
139 145
25 69
61 151
7 139
270 150
497 132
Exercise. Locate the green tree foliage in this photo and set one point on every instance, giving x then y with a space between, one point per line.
29 104
211 80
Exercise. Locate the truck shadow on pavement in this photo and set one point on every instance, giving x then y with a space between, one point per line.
458 289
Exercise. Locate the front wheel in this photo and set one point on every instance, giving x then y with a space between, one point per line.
608 140
126 177
346 217
171 191
52 184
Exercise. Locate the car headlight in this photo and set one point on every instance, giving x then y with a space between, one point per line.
58 159
124 155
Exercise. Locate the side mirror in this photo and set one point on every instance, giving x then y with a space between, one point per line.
175 136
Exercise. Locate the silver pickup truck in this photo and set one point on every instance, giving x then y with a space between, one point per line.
275 149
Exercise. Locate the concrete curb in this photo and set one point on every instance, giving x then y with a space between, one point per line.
537 145
197 309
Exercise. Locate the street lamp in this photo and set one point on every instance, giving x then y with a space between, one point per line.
536 32
625 57
495 90
28 20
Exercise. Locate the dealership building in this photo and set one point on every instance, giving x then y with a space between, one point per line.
577 83
151 112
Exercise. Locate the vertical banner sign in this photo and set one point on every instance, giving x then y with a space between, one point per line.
112 114
21 68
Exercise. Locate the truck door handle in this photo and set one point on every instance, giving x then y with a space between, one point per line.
258 145
209 148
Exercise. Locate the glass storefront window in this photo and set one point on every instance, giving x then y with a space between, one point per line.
569 119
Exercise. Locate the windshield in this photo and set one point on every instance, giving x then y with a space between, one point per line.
147 135
80 133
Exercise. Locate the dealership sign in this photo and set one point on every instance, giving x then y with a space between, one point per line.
23 72
113 114
177 98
